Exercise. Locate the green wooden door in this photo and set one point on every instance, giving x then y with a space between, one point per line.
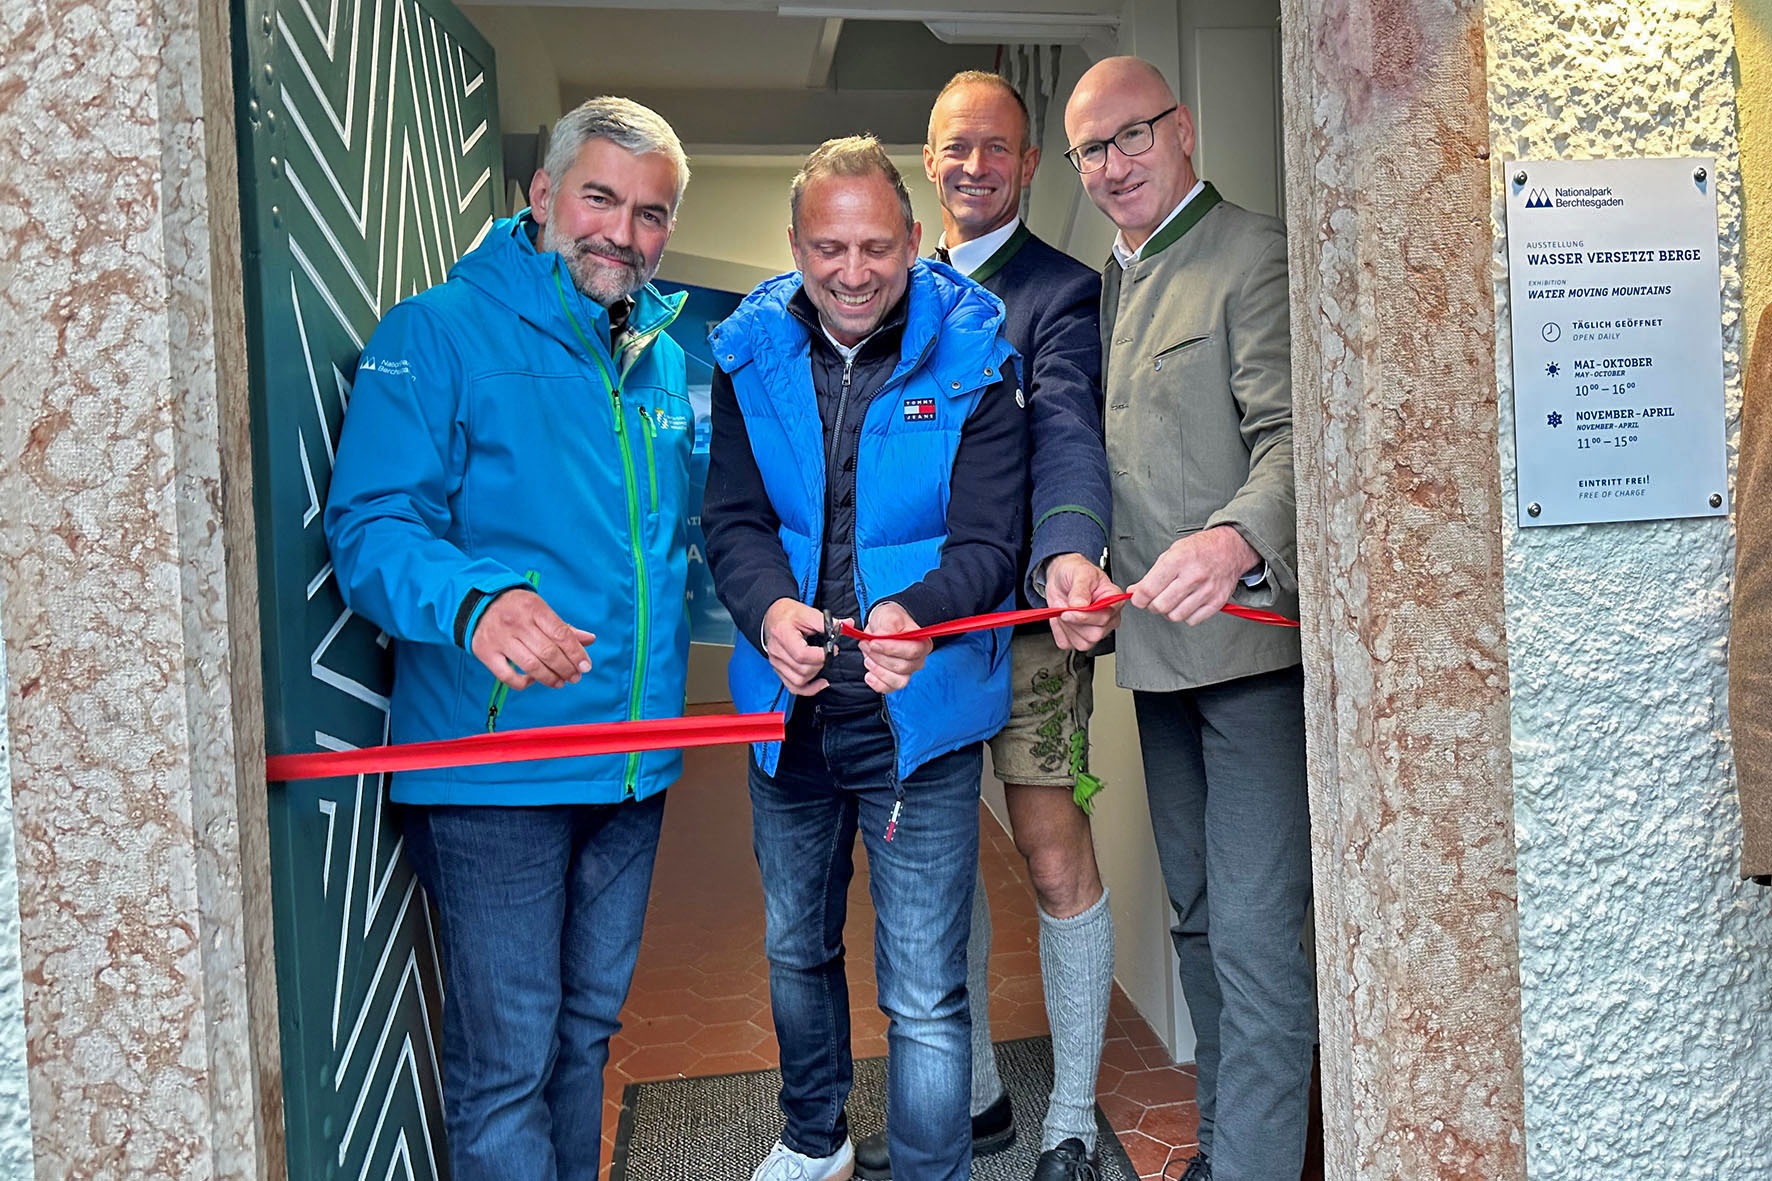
369 162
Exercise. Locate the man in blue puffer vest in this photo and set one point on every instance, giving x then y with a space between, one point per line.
981 156
509 487
868 462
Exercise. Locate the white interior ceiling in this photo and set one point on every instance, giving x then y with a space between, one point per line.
622 49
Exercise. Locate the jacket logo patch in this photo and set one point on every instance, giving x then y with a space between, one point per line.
666 421
919 409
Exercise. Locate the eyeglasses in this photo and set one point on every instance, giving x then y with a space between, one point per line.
1135 139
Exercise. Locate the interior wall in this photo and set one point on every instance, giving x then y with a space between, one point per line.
528 84
736 210
1058 209
1645 963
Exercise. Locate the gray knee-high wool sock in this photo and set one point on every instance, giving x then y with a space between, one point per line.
1077 972
986 1086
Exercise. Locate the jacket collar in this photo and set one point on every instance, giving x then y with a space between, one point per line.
509 269
1176 227
882 341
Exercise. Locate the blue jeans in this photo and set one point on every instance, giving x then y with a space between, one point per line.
540 913
1224 773
836 775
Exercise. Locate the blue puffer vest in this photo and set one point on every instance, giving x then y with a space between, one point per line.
953 350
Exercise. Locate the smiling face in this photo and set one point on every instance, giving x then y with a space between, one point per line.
1136 192
978 159
854 251
609 216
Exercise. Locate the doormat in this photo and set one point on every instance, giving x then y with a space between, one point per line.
718 1128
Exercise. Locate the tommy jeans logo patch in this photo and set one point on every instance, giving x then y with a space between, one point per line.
919 409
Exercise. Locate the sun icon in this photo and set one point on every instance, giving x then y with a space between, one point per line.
1551 370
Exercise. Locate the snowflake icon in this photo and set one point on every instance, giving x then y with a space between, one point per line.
1551 370
1554 418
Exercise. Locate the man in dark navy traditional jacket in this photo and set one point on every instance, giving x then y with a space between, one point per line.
980 160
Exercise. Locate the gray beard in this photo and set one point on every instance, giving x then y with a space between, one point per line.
593 280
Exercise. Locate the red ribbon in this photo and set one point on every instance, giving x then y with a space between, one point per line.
1035 614
1255 615
558 742
548 742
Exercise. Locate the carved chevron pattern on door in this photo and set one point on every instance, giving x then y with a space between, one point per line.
369 163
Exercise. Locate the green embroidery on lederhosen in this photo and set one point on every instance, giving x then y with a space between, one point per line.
1048 689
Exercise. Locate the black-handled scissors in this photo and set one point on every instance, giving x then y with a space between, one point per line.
832 629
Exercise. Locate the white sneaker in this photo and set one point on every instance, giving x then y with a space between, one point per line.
784 1164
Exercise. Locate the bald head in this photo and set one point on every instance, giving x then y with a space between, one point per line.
1131 76
1140 190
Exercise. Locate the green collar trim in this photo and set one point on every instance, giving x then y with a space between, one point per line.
1184 221
590 349
1004 253
638 339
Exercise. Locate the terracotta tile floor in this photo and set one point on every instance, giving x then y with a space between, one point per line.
700 1001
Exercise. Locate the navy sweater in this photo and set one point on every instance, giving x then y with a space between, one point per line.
1054 321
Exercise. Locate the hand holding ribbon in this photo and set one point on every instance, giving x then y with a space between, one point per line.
1193 579
1074 581
893 649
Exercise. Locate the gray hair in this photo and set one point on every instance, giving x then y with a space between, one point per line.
624 123
853 155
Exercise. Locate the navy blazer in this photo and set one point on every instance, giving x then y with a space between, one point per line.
1054 322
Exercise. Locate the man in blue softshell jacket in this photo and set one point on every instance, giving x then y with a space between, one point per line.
509 488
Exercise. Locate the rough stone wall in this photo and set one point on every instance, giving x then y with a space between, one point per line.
15 1084
1646 967
117 335
1400 571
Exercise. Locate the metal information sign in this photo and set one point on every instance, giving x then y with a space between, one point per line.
1618 341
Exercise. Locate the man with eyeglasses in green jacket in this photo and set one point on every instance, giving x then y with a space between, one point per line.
1196 365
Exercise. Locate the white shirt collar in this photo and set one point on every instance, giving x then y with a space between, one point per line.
970 255
846 351
1127 257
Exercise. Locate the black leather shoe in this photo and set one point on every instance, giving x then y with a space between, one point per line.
993 1130
1070 1161
1199 1168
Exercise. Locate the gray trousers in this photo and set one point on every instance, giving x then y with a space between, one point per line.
1224 770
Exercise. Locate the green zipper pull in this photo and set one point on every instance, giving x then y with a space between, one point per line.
651 432
500 690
